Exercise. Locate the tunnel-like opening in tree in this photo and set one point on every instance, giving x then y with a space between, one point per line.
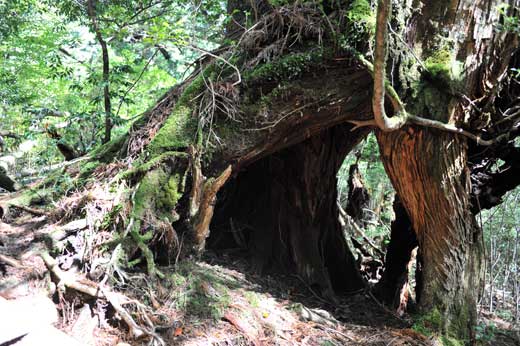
282 210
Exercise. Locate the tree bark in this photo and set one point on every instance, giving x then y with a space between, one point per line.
428 170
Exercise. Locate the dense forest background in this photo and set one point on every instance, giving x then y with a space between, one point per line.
77 75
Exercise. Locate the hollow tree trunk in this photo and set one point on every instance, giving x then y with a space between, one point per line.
288 202
392 289
428 170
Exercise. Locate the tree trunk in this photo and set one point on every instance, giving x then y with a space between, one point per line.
393 286
287 203
276 120
358 197
428 170
91 9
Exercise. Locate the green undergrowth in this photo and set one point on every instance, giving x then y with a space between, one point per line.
200 292
431 325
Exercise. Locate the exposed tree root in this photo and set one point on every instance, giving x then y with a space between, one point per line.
98 291
33 211
11 261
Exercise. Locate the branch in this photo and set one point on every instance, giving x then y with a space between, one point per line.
11 261
383 87
29 210
70 55
347 218
454 129
384 7
207 204
91 10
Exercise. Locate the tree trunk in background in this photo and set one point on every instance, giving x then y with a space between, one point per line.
428 170
358 197
91 9
392 289
288 201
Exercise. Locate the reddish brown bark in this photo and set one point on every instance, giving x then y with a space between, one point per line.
428 170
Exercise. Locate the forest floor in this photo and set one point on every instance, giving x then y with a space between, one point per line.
213 301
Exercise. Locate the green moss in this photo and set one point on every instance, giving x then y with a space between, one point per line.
287 68
177 132
151 164
429 324
156 196
439 64
459 326
200 292
443 66
195 87
449 341
170 193
87 168
180 129
158 193
109 217
434 324
33 196
141 241
108 151
360 12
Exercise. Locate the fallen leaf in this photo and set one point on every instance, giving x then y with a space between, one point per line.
178 331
